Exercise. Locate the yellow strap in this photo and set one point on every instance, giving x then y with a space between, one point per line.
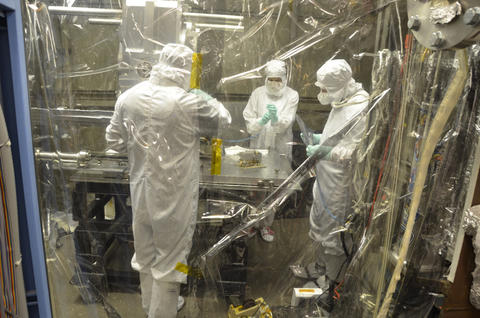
196 70
187 270
216 167
182 268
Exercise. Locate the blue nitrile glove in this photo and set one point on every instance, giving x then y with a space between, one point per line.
323 151
264 120
201 94
272 109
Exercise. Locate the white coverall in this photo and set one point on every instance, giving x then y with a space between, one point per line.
343 131
158 123
273 135
278 135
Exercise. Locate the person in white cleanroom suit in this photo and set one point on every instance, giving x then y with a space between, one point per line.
158 123
342 132
269 117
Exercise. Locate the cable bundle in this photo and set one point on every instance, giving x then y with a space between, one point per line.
13 301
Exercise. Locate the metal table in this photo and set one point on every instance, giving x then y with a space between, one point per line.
102 263
233 177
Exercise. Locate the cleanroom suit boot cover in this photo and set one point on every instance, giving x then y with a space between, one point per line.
333 263
163 303
146 282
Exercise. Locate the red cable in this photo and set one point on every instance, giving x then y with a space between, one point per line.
337 294
408 42
379 180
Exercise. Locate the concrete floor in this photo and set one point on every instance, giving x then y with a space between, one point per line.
268 276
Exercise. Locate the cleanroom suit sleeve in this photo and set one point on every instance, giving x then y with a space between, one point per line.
251 115
343 151
211 115
287 116
116 133
224 118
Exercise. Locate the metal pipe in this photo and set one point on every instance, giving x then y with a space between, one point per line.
219 26
213 16
80 156
110 12
105 21
83 11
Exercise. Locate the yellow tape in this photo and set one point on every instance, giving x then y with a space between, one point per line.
425 52
187 270
182 268
196 70
216 167
307 290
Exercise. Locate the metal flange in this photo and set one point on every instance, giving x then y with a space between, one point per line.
442 24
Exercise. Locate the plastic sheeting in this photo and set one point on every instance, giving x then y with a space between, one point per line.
443 197
82 55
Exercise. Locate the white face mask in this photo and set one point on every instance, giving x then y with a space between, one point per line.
274 88
324 98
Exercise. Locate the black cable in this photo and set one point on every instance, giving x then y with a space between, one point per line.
342 238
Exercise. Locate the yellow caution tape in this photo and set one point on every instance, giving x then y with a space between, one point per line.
196 70
216 167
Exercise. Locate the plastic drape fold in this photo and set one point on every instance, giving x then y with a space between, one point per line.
443 199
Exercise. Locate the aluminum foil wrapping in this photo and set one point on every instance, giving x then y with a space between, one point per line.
471 223
471 220
445 14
